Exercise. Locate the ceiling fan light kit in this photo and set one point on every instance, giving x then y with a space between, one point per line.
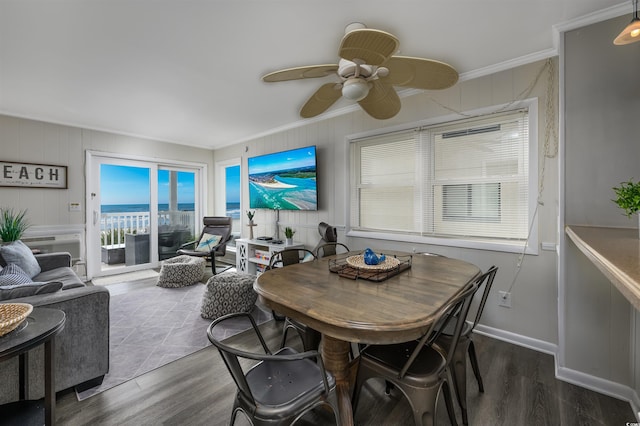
368 70
355 89
631 33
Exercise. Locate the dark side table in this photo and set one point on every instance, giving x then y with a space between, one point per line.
42 325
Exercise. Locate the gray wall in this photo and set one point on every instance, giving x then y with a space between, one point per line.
533 318
602 148
23 140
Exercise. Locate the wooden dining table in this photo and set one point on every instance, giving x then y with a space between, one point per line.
398 308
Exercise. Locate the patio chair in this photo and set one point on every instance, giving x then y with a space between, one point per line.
282 386
213 241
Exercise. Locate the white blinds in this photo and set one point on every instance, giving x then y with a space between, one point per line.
467 179
385 182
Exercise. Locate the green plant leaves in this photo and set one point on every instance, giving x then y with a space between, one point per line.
12 224
628 197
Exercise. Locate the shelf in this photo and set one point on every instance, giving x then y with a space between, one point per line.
259 261
615 252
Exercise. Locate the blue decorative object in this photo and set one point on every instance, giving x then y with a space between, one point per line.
370 258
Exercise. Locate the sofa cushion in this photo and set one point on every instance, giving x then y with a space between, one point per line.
17 252
29 289
65 275
13 275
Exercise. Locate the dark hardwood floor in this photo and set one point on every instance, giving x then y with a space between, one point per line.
520 389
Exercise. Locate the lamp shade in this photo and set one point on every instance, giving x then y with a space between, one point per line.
630 34
632 31
355 89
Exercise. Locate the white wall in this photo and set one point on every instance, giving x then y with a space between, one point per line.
602 148
534 295
23 140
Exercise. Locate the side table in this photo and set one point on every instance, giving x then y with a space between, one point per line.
42 325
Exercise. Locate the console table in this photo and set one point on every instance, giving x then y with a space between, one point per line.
253 256
42 325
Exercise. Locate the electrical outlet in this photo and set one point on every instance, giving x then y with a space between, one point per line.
504 299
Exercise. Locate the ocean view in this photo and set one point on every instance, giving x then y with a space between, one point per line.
132 208
233 209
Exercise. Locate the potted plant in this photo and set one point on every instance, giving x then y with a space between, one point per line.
250 215
288 233
628 198
12 224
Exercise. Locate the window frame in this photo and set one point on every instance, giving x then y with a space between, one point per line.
528 246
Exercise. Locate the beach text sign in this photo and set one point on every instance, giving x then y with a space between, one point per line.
33 175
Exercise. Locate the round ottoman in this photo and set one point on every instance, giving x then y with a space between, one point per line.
227 293
181 271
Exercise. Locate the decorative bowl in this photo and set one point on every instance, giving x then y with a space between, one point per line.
12 315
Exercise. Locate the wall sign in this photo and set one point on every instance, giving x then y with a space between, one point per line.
33 175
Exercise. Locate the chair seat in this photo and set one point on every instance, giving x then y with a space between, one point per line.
450 328
275 392
394 357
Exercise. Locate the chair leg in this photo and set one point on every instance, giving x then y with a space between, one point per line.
458 374
424 401
285 329
474 365
449 404
213 263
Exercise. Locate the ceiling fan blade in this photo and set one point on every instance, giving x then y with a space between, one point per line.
382 101
321 100
372 46
420 73
311 71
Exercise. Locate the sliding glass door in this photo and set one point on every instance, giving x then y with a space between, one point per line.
139 212
176 210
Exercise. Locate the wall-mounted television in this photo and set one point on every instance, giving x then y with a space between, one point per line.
284 180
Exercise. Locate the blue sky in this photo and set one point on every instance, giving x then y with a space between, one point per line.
233 184
130 185
278 161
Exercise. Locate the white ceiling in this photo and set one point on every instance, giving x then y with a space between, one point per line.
188 71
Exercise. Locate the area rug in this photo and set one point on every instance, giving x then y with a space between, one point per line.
154 326
126 277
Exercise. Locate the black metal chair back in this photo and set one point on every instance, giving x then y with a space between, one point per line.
282 386
417 369
329 249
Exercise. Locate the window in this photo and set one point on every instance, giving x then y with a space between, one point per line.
227 196
465 180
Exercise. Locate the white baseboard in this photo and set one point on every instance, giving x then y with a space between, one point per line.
517 339
587 381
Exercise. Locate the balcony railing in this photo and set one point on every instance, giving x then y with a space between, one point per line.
113 226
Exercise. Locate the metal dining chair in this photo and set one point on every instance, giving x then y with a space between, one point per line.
416 368
465 345
329 249
310 337
281 387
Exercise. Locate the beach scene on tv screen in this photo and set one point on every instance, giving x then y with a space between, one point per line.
284 180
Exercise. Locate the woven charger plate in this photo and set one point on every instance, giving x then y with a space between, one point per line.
358 262
12 315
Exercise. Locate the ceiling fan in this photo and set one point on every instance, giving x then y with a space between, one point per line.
368 70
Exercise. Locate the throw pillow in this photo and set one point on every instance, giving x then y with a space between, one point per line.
208 242
17 252
13 275
30 289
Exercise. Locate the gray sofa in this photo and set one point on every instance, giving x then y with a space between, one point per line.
81 349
